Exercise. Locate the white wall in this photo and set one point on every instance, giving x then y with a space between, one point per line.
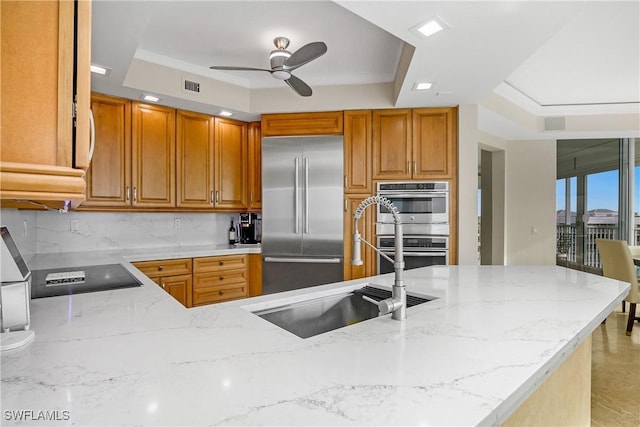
51 231
531 203
468 184
529 200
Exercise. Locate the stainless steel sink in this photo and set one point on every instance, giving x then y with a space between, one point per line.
319 315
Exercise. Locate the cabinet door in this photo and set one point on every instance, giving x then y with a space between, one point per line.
194 160
434 143
322 123
254 172
357 151
109 176
231 164
392 144
179 287
153 156
365 227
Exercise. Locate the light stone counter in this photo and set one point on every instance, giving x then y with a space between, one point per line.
137 357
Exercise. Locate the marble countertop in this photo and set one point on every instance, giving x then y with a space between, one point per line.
75 259
137 357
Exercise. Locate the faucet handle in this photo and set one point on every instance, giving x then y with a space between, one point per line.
385 306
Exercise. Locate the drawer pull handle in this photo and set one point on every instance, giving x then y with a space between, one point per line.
159 268
220 292
163 286
221 277
221 262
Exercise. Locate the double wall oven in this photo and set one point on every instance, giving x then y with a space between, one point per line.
424 212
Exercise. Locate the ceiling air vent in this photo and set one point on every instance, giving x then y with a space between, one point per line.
190 86
554 123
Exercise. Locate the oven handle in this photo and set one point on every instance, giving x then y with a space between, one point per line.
408 253
421 194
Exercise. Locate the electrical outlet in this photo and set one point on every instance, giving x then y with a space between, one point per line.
177 223
75 225
26 228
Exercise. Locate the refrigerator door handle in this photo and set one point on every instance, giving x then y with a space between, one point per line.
303 260
296 196
306 195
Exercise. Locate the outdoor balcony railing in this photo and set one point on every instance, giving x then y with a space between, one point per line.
567 251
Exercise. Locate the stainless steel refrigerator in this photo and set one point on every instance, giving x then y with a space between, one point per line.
302 208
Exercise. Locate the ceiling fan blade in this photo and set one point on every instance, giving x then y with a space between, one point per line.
299 86
232 68
305 54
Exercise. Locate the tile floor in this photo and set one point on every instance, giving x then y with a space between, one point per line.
615 373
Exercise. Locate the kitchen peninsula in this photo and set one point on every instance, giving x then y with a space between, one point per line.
472 356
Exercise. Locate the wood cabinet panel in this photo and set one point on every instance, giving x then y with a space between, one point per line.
357 151
366 229
323 123
37 86
179 287
109 176
231 164
213 294
219 263
194 159
434 143
392 144
255 274
254 172
153 155
167 267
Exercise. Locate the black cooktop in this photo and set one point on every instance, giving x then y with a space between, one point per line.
77 280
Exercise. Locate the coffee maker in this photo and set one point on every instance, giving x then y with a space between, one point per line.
250 228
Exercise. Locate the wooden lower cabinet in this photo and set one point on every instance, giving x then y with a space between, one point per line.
220 278
207 280
366 229
173 275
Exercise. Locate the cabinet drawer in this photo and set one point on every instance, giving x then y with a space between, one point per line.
219 263
219 293
222 278
168 267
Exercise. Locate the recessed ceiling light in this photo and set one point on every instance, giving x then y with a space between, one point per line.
151 98
422 85
430 26
101 70
225 113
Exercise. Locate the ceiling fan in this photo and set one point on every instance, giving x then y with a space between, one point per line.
284 62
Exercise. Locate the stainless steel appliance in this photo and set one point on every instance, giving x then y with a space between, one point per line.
423 207
15 288
301 212
249 228
77 280
419 251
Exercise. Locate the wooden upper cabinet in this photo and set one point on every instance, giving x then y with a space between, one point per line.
153 155
324 123
41 45
392 144
434 143
230 164
194 160
254 172
357 151
109 176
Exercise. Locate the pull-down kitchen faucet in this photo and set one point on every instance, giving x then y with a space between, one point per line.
397 304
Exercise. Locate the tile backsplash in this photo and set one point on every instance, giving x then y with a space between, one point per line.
82 231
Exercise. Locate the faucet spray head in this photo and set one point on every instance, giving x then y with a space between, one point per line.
356 258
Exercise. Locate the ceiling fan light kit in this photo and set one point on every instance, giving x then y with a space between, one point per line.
284 62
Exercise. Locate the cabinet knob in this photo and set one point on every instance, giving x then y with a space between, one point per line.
163 286
159 268
221 277
220 292
221 262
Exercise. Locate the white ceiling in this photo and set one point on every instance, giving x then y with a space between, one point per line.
535 53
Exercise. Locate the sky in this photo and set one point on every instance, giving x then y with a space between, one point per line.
602 191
